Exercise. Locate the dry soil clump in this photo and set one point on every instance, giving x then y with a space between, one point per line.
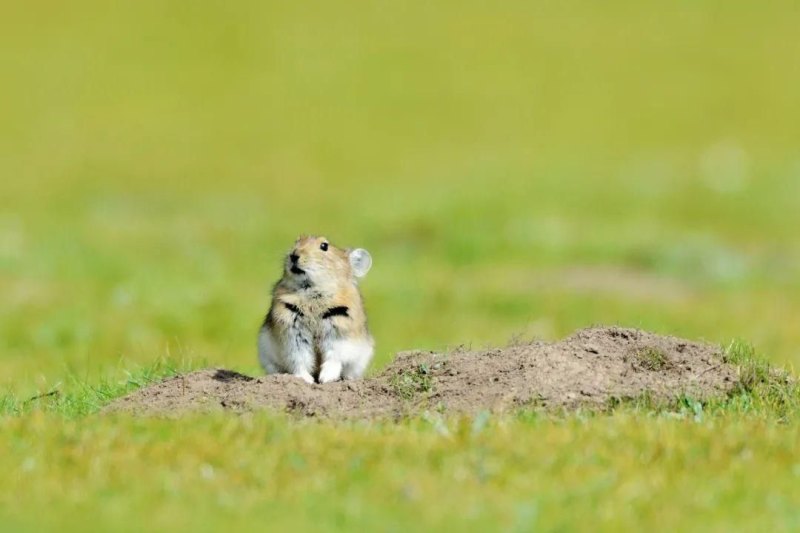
592 368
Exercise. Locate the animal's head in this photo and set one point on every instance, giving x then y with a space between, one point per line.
316 261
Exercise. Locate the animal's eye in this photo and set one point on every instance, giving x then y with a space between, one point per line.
324 246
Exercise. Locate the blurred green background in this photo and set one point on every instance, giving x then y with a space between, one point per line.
515 168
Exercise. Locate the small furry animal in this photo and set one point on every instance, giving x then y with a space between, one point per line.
316 327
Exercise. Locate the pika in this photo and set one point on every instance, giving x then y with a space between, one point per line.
316 327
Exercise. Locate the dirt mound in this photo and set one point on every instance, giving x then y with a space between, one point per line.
592 368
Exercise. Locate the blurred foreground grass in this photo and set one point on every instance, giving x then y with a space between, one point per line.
612 473
524 168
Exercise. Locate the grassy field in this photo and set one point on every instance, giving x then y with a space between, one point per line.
521 169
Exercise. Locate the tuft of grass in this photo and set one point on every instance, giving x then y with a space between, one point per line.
762 386
651 358
753 370
79 396
409 383
762 390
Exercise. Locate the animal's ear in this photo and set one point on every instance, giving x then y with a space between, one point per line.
360 261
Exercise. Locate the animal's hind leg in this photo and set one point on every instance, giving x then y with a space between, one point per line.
355 369
357 355
331 370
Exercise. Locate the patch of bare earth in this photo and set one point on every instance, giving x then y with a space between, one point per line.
592 368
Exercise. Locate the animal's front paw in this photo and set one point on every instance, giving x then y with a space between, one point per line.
330 371
305 376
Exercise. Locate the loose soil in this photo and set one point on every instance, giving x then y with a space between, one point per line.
593 368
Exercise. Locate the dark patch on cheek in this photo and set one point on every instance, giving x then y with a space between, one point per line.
341 310
293 308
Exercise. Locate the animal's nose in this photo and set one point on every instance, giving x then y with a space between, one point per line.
294 258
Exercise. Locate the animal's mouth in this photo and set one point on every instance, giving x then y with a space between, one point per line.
297 270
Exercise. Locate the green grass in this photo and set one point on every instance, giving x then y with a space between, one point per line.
651 358
625 470
408 384
76 396
521 169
